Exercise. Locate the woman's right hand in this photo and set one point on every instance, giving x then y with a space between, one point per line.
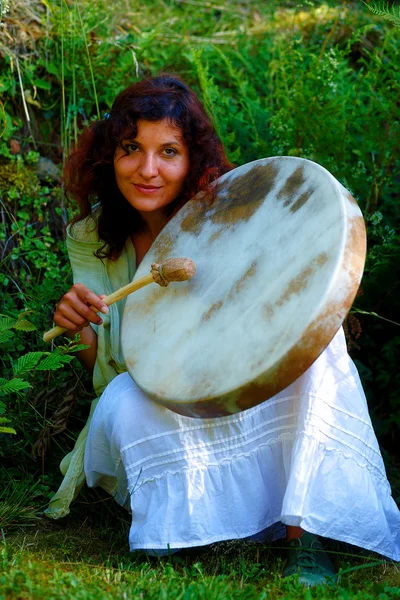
74 311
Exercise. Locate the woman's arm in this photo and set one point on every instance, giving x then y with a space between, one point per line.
75 312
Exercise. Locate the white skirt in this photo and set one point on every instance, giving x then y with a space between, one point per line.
307 457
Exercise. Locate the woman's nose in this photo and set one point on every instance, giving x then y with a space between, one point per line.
148 166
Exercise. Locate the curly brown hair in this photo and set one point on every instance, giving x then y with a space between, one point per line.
89 172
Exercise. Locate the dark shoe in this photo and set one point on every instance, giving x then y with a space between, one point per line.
308 559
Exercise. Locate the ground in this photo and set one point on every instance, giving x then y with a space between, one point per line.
85 556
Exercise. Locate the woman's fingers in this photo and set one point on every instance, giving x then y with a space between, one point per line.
73 324
75 312
75 309
89 297
81 297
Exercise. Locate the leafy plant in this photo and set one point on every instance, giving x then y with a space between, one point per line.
383 9
29 362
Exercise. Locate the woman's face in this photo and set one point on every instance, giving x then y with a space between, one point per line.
150 169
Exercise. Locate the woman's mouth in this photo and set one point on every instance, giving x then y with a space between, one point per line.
146 189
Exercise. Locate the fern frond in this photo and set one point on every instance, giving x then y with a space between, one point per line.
12 386
390 13
53 361
5 336
2 408
378 9
6 323
26 363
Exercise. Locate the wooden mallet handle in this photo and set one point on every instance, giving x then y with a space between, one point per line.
173 269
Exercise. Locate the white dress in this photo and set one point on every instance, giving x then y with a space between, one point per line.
307 457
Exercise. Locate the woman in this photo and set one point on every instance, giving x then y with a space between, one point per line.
307 458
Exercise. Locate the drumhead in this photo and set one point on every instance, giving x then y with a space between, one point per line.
279 254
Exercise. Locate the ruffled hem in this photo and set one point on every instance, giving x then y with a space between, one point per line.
249 493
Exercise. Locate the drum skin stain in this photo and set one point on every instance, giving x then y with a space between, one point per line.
245 194
216 235
292 184
212 310
290 189
163 246
144 308
301 200
241 283
196 209
268 312
297 284
237 199
130 363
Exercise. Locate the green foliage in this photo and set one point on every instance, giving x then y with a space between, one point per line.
12 386
32 361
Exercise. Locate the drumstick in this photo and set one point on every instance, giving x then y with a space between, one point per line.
173 269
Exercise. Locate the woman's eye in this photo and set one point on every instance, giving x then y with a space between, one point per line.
170 152
129 147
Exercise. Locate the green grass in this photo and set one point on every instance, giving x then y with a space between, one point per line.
86 557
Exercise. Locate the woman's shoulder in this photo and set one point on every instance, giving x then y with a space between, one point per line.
86 230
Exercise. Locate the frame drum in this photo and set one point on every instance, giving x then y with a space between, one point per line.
280 253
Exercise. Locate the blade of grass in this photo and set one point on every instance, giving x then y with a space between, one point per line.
88 58
63 108
28 119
